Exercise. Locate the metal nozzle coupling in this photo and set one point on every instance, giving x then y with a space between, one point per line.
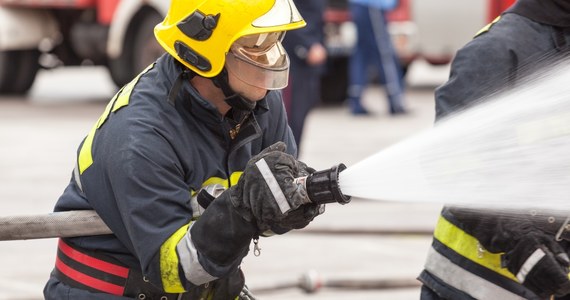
322 186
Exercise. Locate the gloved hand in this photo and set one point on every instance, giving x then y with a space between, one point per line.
222 234
267 195
540 264
229 287
531 254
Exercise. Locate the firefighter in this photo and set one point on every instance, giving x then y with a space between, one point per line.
206 116
485 254
308 57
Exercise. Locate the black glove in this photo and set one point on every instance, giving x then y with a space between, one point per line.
545 274
224 231
302 216
229 287
540 264
222 237
267 194
297 219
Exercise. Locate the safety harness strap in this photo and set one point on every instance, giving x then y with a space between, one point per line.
84 270
90 273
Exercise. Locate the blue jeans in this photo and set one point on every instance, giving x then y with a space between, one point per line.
374 49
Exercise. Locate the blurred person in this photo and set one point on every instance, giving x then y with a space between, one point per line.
479 254
204 120
308 55
374 49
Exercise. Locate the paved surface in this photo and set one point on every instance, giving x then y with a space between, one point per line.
39 136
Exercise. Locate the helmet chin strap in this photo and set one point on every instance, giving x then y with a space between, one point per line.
233 99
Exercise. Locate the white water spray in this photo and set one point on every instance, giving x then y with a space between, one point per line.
512 151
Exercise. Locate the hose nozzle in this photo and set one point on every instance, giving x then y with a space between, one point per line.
322 186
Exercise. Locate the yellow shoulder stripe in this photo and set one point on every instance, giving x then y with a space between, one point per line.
123 99
85 159
487 27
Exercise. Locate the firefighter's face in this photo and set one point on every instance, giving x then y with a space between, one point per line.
258 63
245 90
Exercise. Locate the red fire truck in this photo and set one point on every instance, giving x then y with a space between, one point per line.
118 34
38 34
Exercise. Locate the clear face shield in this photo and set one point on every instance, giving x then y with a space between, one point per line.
259 60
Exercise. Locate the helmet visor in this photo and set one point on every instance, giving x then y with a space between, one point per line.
260 61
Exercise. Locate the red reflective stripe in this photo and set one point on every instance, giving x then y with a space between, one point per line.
88 280
92 262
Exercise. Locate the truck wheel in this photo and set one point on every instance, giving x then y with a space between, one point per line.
18 70
149 48
140 49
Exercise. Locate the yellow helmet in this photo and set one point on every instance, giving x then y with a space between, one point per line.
199 33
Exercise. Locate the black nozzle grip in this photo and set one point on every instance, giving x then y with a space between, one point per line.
322 186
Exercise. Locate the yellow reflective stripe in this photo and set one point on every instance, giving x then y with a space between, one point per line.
215 180
234 178
488 26
85 159
107 111
468 247
128 89
169 262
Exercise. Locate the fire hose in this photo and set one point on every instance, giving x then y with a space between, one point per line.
311 282
87 222
361 284
321 186
58 224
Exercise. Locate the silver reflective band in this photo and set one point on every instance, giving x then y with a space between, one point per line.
273 185
530 262
77 178
283 12
214 190
188 257
197 209
464 280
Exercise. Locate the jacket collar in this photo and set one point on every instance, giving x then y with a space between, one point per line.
548 12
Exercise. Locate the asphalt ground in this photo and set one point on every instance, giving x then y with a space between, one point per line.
362 242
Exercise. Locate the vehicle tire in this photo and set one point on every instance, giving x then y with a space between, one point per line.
18 70
140 48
